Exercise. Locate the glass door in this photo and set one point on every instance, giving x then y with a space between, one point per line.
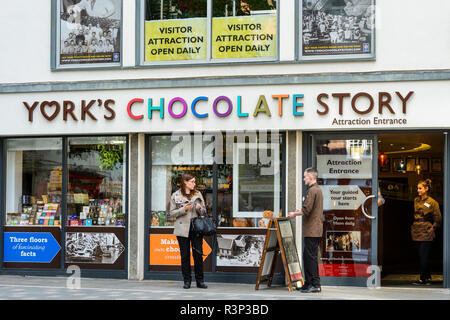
347 175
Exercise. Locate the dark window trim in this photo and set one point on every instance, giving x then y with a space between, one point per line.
107 273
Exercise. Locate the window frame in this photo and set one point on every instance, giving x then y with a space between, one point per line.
300 58
116 270
237 148
140 44
55 44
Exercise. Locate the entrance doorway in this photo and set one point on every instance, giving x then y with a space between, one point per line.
403 160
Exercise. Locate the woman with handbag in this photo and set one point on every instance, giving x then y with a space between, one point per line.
427 218
186 204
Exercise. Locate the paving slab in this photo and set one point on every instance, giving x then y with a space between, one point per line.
57 288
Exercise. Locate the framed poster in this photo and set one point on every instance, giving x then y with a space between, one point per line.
386 167
424 164
436 165
336 29
411 164
398 165
280 241
87 33
289 249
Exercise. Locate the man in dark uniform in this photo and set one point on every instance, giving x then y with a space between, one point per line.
312 212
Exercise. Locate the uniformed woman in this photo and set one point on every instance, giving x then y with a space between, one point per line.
427 218
185 204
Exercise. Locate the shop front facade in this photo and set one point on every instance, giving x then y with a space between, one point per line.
95 145
110 190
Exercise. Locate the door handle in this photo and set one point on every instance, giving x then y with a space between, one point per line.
363 209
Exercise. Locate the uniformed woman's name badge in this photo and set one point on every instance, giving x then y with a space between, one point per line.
427 205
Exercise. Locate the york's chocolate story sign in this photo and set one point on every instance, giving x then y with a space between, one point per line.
360 104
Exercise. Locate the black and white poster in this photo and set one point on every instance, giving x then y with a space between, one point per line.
239 250
89 32
337 29
93 247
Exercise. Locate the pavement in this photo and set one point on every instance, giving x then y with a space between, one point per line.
13 287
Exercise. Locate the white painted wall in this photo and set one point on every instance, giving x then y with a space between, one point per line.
410 35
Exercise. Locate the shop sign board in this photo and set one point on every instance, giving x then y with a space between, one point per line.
285 107
30 247
344 197
344 167
165 251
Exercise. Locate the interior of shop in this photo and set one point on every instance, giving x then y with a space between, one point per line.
403 160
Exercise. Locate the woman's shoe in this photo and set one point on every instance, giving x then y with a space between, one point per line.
187 285
201 285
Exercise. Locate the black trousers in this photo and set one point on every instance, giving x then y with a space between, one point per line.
185 243
310 262
424 248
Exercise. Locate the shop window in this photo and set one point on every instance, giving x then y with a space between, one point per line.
239 175
171 157
185 31
33 182
175 30
244 29
96 188
248 175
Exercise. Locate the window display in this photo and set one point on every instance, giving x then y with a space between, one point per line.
96 170
249 180
242 200
180 31
171 157
244 29
175 30
34 181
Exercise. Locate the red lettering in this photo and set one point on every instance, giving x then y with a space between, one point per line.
130 104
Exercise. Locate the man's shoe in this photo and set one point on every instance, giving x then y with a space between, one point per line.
304 287
312 289
187 285
201 285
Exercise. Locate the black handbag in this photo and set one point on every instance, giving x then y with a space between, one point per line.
204 226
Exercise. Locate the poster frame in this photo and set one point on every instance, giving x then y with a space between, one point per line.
55 44
268 263
330 57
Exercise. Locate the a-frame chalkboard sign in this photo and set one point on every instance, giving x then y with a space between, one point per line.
280 241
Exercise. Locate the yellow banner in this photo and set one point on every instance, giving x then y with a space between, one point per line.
178 39
244 37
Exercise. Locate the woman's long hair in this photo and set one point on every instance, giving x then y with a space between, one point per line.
186 177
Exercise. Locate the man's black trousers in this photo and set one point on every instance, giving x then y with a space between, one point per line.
310 262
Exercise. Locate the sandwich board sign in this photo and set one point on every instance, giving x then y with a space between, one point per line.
280 242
